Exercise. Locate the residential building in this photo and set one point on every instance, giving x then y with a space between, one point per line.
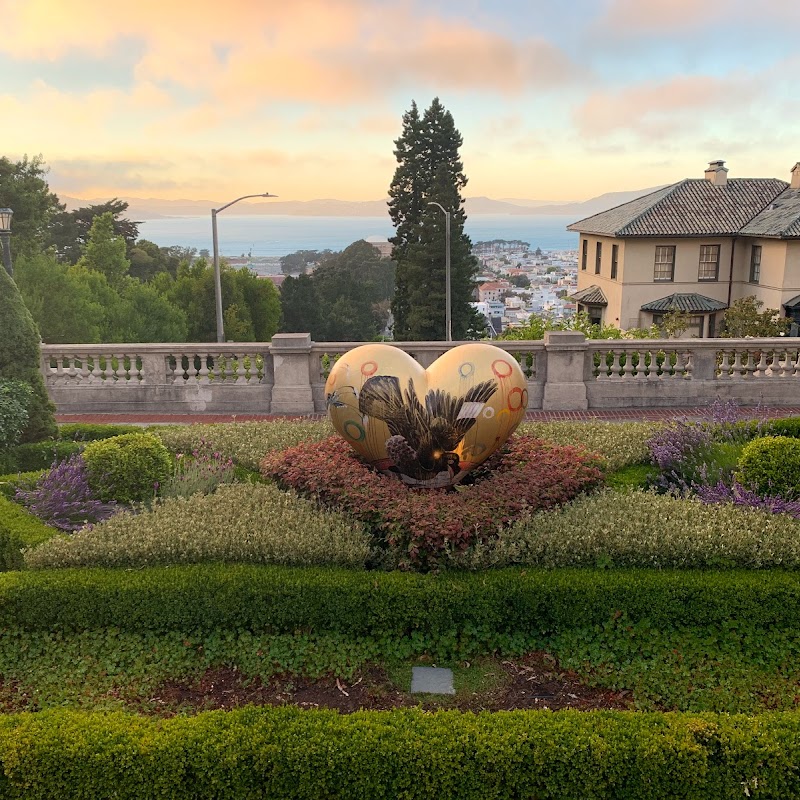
695 246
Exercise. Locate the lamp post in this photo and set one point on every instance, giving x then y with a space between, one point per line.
217 278
5 235
447 298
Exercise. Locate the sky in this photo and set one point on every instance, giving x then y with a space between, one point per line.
304 98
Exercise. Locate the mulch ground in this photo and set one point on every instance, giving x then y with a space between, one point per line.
531 682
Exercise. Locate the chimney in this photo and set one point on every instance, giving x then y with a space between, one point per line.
795 184
717 173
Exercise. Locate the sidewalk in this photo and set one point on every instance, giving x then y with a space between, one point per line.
606 415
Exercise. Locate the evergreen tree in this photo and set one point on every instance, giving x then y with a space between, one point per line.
20 359
105 251
430 170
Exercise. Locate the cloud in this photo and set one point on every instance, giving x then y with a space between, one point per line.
717 17
660 110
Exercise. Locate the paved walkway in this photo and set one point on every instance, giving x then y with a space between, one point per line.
608 415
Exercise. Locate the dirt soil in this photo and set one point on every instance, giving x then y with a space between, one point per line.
531 682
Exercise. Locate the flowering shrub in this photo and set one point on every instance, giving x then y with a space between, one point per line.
201 472
63 499
738 495
771 466
681 452
421 525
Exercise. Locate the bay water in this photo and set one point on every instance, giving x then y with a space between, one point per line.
278 235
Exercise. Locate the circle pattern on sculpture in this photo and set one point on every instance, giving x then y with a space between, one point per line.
499 368
517 392
369 368
359 429
469 367
488 412
474 450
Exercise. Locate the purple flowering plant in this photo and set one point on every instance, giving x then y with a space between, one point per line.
198 473
62 498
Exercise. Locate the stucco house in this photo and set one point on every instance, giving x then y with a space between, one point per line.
694 246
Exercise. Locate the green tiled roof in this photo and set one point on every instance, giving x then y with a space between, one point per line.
692 207
793 303
590 296
692 302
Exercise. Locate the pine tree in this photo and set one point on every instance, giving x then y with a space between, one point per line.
430 170
20 358
105 251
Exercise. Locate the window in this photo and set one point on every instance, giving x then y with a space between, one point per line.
712 326
665 263
584 254
709 263
614 261
755 263
598 258
695 328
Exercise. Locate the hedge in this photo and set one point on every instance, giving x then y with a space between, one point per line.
37 455
87 432
483 608
292 754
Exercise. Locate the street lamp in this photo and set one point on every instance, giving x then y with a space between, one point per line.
5 235
447 299
217 278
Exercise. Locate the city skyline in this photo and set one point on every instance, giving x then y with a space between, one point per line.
195 100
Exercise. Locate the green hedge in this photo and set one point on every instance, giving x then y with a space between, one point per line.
485 608
85 432
291 754
10 483
28 528
37 455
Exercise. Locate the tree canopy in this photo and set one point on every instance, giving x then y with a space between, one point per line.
430 171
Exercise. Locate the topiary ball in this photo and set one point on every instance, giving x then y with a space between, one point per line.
127 468
770 466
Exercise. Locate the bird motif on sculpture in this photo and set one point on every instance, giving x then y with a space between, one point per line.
423 437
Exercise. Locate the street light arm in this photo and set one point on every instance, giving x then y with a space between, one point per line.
439 205
243 197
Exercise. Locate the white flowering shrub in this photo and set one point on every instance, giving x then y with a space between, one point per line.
245 442
643 529
242 523
620 443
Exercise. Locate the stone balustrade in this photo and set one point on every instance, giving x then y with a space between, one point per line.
287 375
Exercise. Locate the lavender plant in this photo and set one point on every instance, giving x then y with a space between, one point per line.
738 495
199 473
62 498
680 451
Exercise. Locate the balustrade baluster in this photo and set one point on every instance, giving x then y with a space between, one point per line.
737 367
760 369
627 369
242 375
202 373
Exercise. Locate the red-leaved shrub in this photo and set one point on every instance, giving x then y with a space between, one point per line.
527 475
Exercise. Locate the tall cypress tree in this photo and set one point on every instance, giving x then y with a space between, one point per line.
430 170
20 356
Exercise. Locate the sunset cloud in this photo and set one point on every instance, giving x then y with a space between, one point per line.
194 98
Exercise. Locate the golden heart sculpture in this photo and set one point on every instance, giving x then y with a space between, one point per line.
429 427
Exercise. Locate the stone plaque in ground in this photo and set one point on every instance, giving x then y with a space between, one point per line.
432 680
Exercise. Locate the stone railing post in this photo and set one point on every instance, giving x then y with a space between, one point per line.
704 362
565 382
291 359
154 368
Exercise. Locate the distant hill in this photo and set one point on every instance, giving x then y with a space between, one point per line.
153 208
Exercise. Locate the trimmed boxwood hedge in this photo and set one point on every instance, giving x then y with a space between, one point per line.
37 455
485 608
292 754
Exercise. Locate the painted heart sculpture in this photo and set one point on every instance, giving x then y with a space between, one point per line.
430 427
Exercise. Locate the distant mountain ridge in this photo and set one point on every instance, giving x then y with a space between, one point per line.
153 208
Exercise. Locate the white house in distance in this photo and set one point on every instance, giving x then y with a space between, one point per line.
694 246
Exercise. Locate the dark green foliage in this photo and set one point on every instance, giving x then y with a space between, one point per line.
24 189
430 170
770 466
291 754
37 455
87 432
23 525
127 468
15 397
783 427
452 614
346 299
10 549
745 318
69 230
20 359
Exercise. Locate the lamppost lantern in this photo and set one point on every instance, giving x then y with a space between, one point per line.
447 299
217 277
5 235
